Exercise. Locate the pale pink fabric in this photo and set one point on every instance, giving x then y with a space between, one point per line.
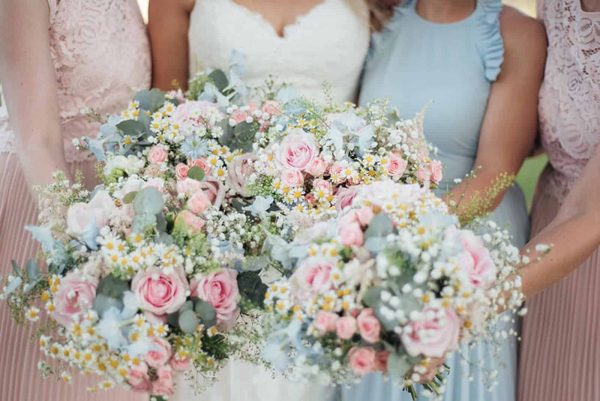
101 55
560 352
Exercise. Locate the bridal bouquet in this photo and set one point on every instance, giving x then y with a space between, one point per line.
387 285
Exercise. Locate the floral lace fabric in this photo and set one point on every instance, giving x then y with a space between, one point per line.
570 96
101 56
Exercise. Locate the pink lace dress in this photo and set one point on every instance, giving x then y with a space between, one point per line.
560 354
101 55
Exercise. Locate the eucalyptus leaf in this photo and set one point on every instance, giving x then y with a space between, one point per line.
372 297
196 173
251 287
130 197
16 268
103 303
148 201
398 365
206 312
219 79
255 263
13 285
33 270
380 227
188 321
150 100
132 128
43 235
112 287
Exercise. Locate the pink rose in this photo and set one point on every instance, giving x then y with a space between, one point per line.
214 190
292 178
197 113
336 169
351 234
239 116
424 174
138 378
98 210
314 274
346 327
198 203
219 289
181 171
317 167
345 197
180 364
362 360
325 321
369 326
436 171
159 353
164 385
298 149
240 170
190 221
433 336
158 154
364 215
201 163
322 185
396 166
75 296
160 291
271 107
477 261
188 186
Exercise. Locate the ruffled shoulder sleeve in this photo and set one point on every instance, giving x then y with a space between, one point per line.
489 39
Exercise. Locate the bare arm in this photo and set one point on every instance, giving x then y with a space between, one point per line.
168 23
29 85
510 123
574 233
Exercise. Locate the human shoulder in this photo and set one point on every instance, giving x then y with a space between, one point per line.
521 33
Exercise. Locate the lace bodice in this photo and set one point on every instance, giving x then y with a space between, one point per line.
570 96
101 55
326 45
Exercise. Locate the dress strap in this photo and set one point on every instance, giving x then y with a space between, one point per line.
489 39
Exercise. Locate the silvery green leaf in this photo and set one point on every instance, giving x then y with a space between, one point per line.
260 205
398 365
104 303
97 148
380 227
165 238
243 136
132 128
148 201
219 79
188 321
196 173
237 62
372 297
33 271
188 305
29 286
13 285
130 197
212 94
254 263
375 244
112 286
205 312
43 235
150 100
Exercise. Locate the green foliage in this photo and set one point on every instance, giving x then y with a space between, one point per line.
216 346
150 100
251 287
196 173
241 137
147 204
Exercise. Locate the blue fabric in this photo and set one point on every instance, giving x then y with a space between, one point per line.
447 68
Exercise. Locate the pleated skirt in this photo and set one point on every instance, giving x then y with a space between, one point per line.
20 379
560 351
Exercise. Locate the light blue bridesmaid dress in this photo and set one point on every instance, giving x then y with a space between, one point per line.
450 67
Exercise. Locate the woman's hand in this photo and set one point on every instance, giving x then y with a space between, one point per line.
29 84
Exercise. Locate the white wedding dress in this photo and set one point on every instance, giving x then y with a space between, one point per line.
326 45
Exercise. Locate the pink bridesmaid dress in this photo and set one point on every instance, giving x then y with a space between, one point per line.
101 56
560 354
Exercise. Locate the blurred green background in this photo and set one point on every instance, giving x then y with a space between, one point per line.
531 170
